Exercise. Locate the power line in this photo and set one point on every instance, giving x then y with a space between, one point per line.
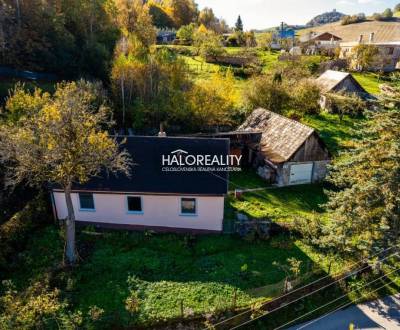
341 297
308 294
307 285
341 307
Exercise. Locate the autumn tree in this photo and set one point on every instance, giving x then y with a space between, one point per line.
365 207
363 56
182 12
61 142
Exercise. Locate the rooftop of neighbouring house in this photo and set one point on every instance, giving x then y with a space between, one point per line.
147 175
331 79
282 137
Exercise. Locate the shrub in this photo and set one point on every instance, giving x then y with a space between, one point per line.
306 97
345 104
15 231
264 92
346 20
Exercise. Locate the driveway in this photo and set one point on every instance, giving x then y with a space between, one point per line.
378 314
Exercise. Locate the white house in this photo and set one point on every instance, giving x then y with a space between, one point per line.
169 190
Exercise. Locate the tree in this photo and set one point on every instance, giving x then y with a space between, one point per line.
160 17
365 206
186 33
207 17
265 92
397 8
62 143
135 19
364 56
387 13
266 40
207 43
182 12
239 24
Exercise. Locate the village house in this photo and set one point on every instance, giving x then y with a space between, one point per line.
283 151
387 60
315 43
335 82
161 194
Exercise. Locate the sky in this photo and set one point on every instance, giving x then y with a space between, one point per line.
261 14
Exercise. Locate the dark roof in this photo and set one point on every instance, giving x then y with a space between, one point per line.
147 175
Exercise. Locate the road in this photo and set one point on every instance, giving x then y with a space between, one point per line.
378 314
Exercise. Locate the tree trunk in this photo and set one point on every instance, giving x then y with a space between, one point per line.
70 250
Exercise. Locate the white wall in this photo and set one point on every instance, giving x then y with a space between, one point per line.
161 211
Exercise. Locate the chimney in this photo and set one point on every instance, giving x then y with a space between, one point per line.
360 40
161 133
371 37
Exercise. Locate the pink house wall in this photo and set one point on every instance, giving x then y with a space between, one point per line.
158 211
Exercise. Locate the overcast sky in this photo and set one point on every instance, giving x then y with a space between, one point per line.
260 14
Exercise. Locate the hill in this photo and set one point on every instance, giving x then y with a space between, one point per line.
384 31
325 18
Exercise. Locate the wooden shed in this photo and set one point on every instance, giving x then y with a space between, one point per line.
289 152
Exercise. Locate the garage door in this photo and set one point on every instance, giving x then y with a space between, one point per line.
301 173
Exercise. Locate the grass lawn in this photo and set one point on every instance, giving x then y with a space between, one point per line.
281 205
204 272
336 134
370 81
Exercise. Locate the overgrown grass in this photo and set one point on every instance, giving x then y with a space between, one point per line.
204 272
370 81
337 134
281 204
7 85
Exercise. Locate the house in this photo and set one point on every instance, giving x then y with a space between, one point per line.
320 42
289 152
387 60
168 190
336 81
165 37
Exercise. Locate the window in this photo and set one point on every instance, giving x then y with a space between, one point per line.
188 206
135 204
86 202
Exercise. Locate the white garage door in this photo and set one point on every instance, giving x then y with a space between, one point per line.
301 173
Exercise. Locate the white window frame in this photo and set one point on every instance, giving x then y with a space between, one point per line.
188 214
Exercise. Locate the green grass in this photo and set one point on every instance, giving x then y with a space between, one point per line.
370 81
204 271
7 85
336 134
281 205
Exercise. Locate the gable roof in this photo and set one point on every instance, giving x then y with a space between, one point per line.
325 36
147 175
384 31
281 136
330 79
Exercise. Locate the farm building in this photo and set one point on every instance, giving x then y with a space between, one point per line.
336 81
288 152
160 194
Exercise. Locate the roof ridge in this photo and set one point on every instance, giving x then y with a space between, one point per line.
287 118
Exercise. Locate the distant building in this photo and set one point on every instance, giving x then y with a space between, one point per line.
314 42
166 37
336 81
387 60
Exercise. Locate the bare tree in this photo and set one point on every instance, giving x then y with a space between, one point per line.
62 143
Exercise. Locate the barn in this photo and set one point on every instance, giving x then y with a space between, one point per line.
289 152
336 81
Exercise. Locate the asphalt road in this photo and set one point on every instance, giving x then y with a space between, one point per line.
378 314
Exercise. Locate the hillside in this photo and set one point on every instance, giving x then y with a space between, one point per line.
325 18
384 31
